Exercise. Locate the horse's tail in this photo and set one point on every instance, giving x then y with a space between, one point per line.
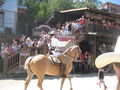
26 66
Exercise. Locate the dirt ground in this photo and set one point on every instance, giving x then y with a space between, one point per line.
79 82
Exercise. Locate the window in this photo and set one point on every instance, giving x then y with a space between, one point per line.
1 20
1 2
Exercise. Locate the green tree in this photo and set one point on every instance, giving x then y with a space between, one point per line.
87 3
32 9
58 5
31 14
42 11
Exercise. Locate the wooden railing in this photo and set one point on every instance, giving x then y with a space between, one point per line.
103 30
14 60
35 50
10 62
98 29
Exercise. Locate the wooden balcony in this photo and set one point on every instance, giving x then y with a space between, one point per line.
98 30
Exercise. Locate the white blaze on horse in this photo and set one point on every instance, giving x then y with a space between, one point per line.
40 65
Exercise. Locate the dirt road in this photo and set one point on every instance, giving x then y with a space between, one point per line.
80 82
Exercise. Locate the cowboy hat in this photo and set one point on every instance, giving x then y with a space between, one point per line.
106 59
110 57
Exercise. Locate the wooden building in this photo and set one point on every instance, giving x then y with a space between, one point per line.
10 13
90 38
111 7
96 34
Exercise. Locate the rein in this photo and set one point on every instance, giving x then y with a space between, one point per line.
69 55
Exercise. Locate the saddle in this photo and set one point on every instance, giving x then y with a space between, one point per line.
54 60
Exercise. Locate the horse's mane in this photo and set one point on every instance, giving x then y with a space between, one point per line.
68 50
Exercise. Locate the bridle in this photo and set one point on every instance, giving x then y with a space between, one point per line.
67 54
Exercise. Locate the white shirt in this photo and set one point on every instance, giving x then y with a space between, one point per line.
57 43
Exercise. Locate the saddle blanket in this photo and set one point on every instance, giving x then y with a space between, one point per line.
54 60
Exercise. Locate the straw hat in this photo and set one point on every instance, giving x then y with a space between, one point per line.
110 57
106 59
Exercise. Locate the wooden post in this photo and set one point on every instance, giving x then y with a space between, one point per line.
95 47
36 50
94 52
22 58
5 65
45 49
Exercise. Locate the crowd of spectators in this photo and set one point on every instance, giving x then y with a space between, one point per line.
82 23
72 26
103 48
17 44
81 65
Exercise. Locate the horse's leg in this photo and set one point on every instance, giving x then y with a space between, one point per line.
40 81
28 79
70 82
62 82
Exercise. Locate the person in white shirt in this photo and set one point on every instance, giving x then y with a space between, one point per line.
56 44
29 42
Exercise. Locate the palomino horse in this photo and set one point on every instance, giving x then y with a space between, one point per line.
40 65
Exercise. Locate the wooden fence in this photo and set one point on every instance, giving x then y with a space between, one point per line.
18 59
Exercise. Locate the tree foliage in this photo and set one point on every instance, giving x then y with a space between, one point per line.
86 3
44 10
32 9
58 5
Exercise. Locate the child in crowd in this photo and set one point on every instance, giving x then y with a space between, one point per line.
101 78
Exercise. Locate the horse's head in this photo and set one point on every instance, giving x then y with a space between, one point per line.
73 51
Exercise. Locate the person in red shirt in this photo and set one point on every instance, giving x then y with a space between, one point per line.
82 21
9 50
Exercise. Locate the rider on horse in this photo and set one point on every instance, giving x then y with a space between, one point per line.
59 48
